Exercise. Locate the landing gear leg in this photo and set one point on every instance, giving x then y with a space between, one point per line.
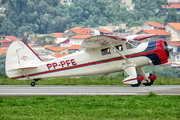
33 83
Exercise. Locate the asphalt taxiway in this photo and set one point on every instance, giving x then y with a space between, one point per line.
63 90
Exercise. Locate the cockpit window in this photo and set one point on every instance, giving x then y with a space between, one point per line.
132 44
105 51
129 45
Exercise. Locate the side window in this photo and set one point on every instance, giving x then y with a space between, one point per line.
129 46
105 51
119 47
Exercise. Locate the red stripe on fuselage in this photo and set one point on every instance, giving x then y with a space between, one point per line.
159 50
88 64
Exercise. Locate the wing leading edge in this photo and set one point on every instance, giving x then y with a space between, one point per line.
99 41
139 37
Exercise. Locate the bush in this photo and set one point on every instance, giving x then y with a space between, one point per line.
2 62
3 75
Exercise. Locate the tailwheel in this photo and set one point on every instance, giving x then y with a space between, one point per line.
150 83
32 84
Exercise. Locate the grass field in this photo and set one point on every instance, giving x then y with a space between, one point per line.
98 80
150 107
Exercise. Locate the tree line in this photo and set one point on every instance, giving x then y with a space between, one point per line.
48 16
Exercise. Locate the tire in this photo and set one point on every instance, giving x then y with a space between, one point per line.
32 84
136 85
150 83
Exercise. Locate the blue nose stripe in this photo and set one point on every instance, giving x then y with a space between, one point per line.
152 56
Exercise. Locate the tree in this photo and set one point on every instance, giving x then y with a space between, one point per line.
32 37
35 16
46 39
7 27
2 63
48 16
172 16
149 8
27 28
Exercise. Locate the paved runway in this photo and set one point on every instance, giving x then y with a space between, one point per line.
41 90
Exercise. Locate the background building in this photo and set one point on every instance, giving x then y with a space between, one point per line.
174 30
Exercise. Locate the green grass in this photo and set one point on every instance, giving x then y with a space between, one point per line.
98 80
167 81
150 107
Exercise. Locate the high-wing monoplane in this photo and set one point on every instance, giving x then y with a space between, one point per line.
100 54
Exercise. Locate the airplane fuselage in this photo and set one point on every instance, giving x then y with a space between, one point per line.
94 62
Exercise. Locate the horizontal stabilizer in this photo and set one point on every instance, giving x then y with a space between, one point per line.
23 68
27 68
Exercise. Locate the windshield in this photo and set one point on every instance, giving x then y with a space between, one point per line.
132 44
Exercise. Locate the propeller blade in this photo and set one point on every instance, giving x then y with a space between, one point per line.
169 48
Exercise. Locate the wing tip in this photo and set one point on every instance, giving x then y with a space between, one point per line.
141 37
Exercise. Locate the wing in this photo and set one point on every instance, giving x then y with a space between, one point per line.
99 41
139 37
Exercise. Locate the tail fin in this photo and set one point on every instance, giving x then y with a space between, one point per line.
20 56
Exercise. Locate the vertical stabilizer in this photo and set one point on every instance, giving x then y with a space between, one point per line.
20 56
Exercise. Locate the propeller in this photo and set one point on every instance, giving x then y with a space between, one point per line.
168 49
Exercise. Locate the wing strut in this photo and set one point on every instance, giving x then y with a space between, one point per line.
128 62
134 79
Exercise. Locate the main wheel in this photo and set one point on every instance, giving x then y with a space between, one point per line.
32 84
150 83
136 85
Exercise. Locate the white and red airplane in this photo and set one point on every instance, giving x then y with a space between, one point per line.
99 54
